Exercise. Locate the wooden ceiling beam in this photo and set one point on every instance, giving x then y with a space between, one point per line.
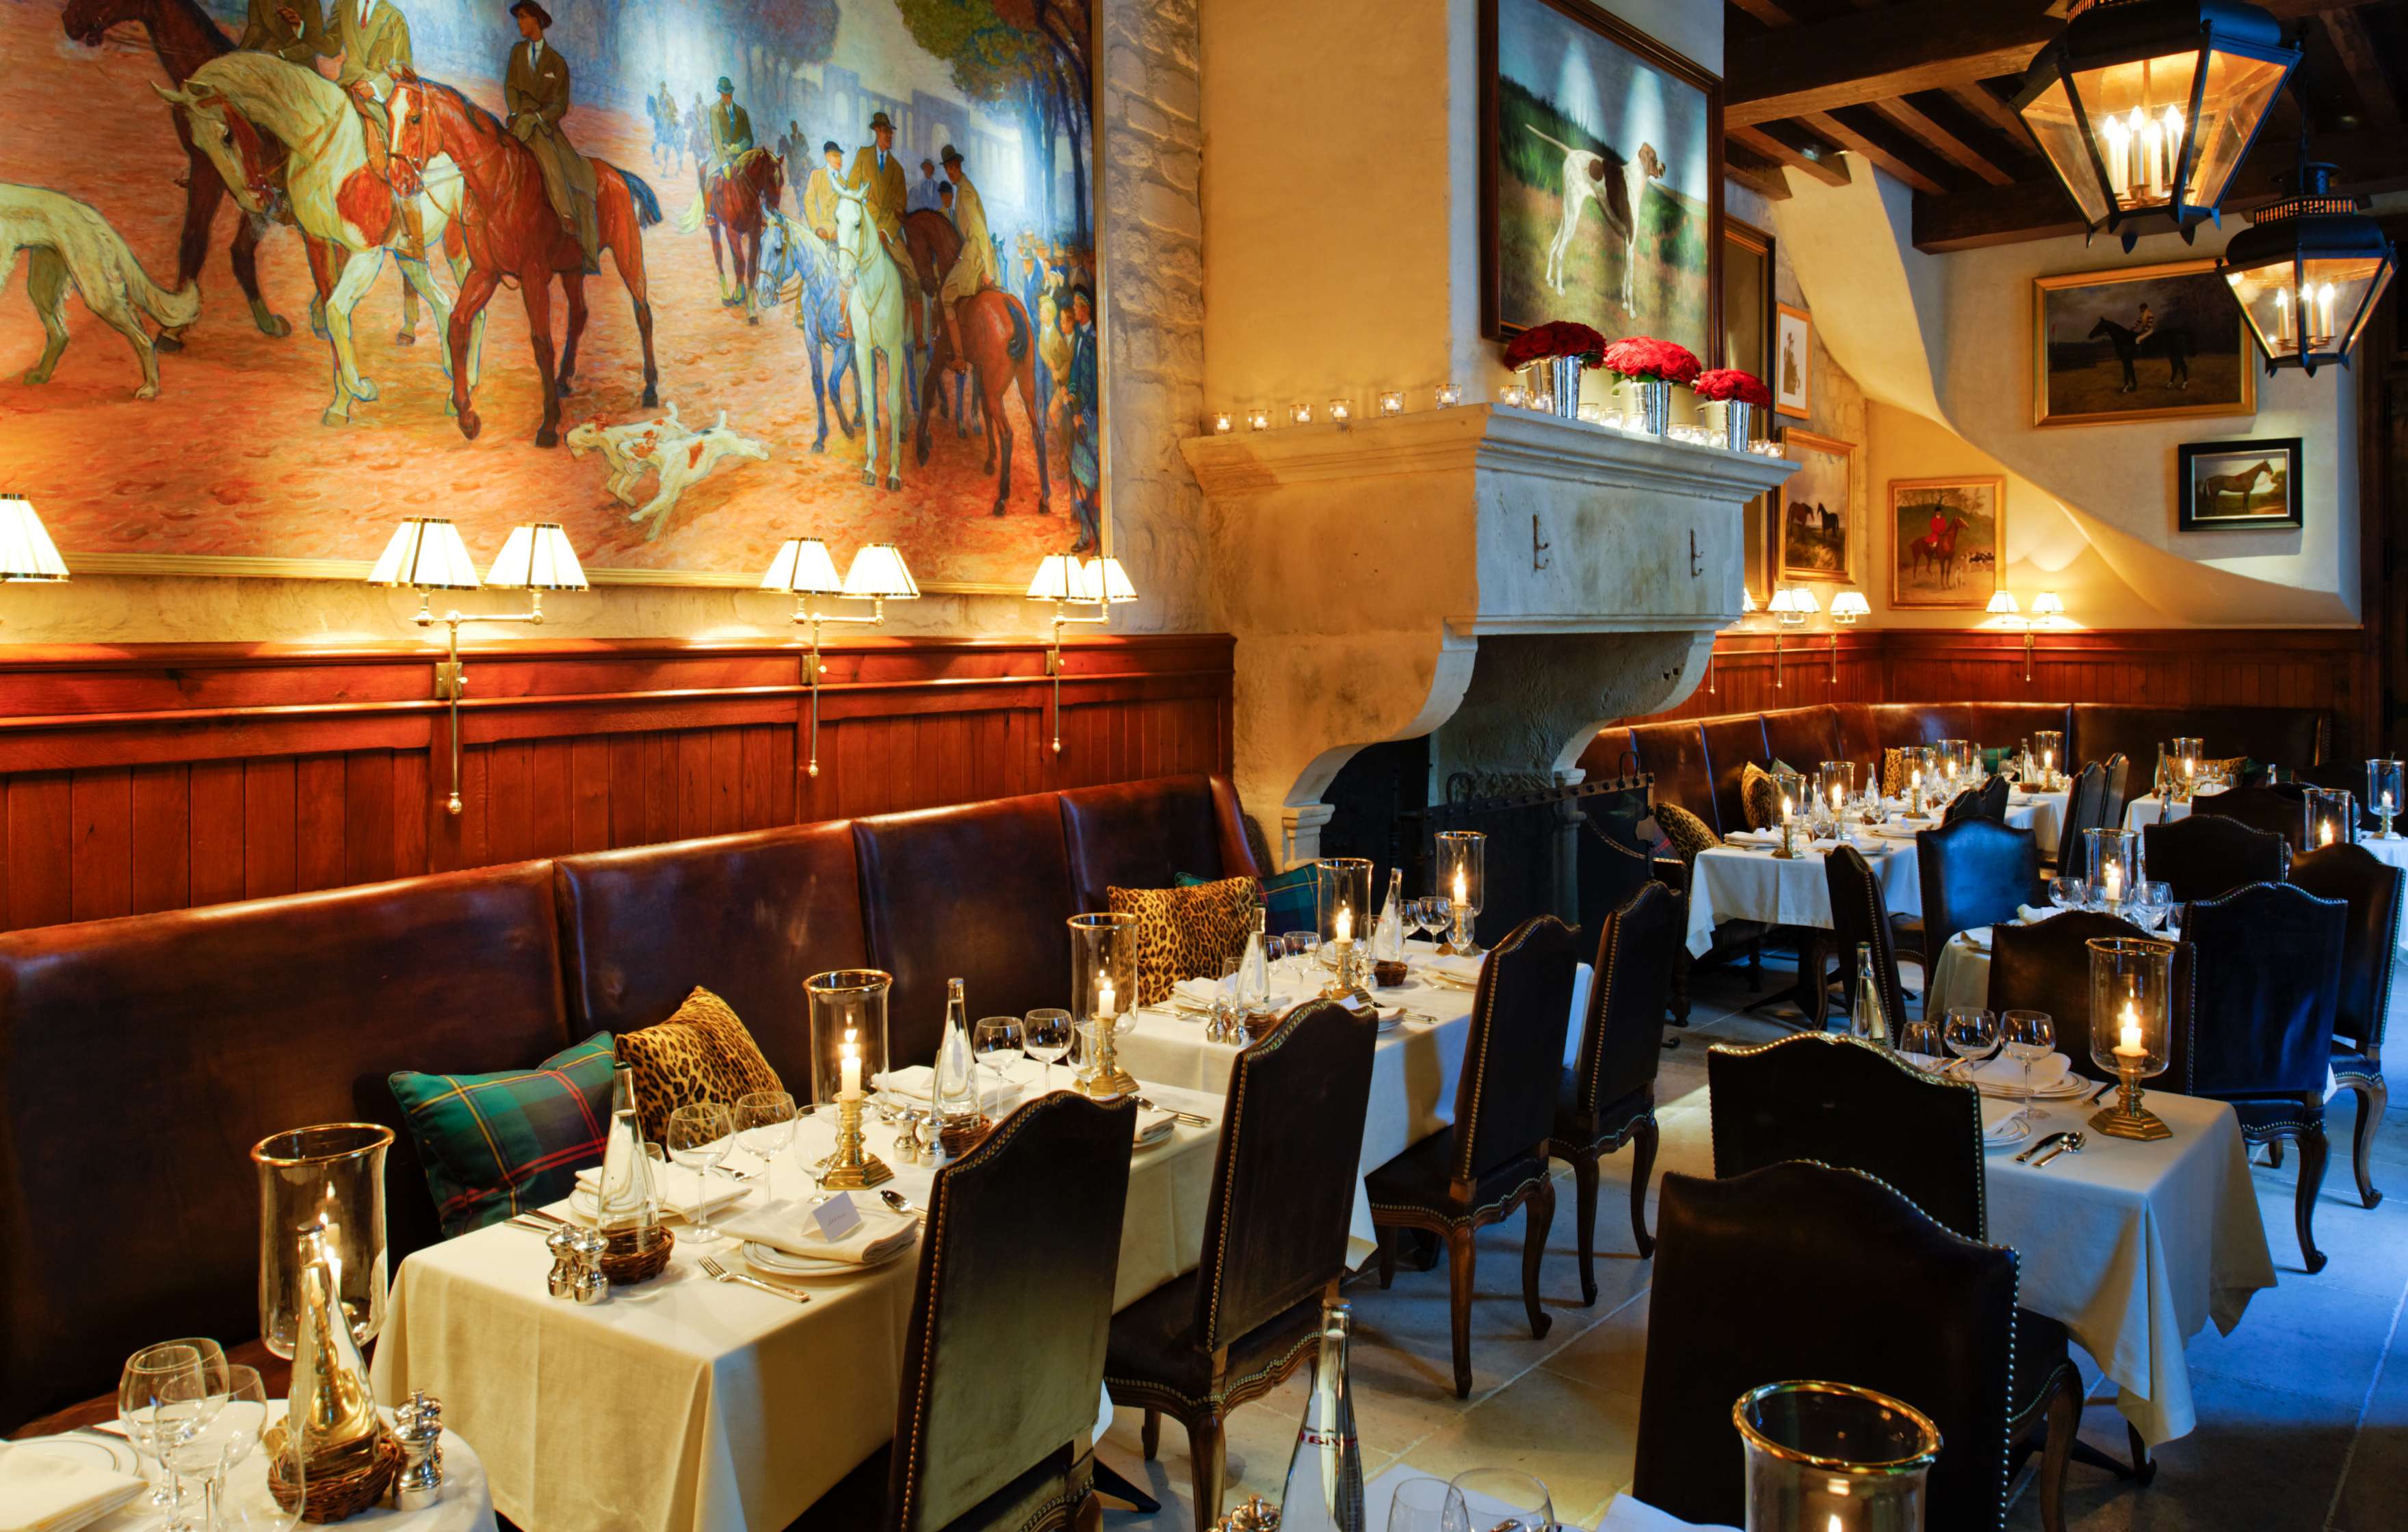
1774 141
1766 12
1976 97
1877 55
1942 142
2379 107
1884 156
1759 173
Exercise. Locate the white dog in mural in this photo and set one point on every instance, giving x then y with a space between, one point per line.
687 460
1584 181
628 450
69 245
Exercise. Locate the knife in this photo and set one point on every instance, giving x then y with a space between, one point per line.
2054 1152
2025 1157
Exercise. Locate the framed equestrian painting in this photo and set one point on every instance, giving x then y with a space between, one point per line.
2229 485
1793 359
1946 541
2143 343
1601 180
1818 517
690 279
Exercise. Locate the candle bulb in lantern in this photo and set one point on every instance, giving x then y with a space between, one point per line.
2283 315
1343 927
2173 131
2119 155
2128 1034
849 1070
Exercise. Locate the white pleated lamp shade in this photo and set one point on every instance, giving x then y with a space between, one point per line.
879 573
2046 604
803 567
425 554
1058 578
538 556
2002 603
1108 582
26 552
1851 604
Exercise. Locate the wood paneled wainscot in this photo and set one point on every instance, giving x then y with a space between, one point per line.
154 777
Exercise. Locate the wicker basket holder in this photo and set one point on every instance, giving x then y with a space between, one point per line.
625 1264
334 1497
961 1135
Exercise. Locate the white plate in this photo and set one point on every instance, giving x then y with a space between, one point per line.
95 1448
780 1263
2020 1130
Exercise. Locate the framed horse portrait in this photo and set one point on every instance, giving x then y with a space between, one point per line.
2229 485
2141 343
689 279
1817 513
1600 178
1947 541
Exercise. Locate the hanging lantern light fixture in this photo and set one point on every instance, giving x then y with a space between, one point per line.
2145 109
2308 270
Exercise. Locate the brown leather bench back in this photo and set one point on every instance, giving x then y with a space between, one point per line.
140 1059
1145 833
2296 736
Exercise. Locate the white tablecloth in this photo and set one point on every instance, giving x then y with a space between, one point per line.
1732 883
2042 815
1624 1515
682 1403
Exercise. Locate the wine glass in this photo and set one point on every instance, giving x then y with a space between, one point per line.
765 1124
1497 1500
2069 893
2155 902
1419 1505
1307 945
1439 910
995 1039
147 1373
2028 1037
222 1419
1417 924
698 1138
1045 1035
1970 1032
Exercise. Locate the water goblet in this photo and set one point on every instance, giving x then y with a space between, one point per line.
2069 893
1307 947
1419 1505
1970 1032
1439 910
1416 925
147 1373
2155 901
220 1420
698 1138
1497 1500
1046 1035
765 1124
993 1043
2028 1037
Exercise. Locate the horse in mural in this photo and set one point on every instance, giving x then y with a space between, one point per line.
1939 551
516 237
668 135
792 254
1002 350
2214 487
2171 342
185 37
934 243
333 194
875 301
739 205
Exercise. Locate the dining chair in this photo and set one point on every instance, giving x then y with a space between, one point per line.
2370 951
1018 1261
1249 1313
2204 855
1494 1158
2046 966
2267 809
1608 1096
1860 916
2336 776
1973 873
2265 977
2085 802
1887 1297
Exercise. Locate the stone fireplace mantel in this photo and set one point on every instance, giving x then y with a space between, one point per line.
1515 578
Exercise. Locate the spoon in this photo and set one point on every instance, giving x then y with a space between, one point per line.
899 1202
2073 1145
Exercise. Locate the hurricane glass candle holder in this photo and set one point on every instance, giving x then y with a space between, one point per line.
1103 991
2329 817
2383 784
1342 913
2113 864
1834 1457
1463 877
321 1189
1392 401
1258 420
2048 748
848 1026
2132 985
2189 756
1449 395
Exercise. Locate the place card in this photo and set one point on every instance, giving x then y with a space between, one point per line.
837 1217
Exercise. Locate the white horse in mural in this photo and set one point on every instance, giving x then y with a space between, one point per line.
335 196
877 304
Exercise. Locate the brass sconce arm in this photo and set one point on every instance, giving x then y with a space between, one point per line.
1063 619
451 674
813 669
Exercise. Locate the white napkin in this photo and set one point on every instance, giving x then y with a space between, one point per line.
1466 969
1199 992
786 1223
2001 1070
1755 838
46 1492
682 1191
2033 914
917 1081
1154 1127
2007 1129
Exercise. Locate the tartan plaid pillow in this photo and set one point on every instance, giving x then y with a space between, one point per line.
494 1145
1287 899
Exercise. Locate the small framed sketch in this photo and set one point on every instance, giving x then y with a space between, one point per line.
1946 536
1793 347
1815 509
2224 485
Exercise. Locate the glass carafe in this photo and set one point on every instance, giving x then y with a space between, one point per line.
1325 1475
626 1200
954 1088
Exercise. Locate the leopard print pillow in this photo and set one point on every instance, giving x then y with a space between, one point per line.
1759 793
1689 834
702 1053
1185 933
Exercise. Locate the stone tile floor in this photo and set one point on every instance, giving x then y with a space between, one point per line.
2303 1408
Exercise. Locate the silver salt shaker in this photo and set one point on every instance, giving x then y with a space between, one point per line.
418 1425
592 1285
562 1242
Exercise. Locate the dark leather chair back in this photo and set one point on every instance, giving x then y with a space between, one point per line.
979 893
1615 863
1861 915
1973 873
2203 857
1855 1246
1675 754
2265 975
1622 1037
1514 1061
747 916
1284 1187
1804 736
1819 1096
2370 948
2083 802
2345 779
140 1059
1005 1355
2112 803
2267 809
2047 967
1993 799
1145 833
1964 806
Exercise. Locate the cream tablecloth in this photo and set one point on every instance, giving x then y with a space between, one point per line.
688 1404
1736 883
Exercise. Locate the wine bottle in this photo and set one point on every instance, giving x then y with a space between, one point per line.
1325 1475
1388 936
1866 1018
1254 967
627 1199
953 1091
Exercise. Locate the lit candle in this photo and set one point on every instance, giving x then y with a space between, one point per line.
1462 896
1104 996
2173 126
1341 411
2110 882
2151 140
2128 1044
2386 800
2326 838
2325 311
2119 156
1449 395
1301 414
1221 425
2048 763
1515 394
1258 420
1392 402
849 1068
1788 809
2283 315
1343 927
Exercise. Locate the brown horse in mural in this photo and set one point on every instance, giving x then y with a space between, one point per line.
1002 350
740 203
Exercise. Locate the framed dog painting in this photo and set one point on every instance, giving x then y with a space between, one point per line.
2143 343
1947 538
1600 178
2229 485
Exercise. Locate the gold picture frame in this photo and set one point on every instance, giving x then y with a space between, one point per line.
1939 568
2197 361
1804 551
1793 336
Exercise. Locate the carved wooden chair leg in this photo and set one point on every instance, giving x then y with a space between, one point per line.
1584 1219
1462 1252
2064 1418
2274 1154
1089 1516
2144 1468
2314 1150
2373 1099
1150 1434
1208 1448
1642 1166
1539 1221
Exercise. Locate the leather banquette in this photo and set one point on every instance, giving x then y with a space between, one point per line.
141 1058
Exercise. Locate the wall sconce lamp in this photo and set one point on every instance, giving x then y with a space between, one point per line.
803 569
1067 580
2044 607
1792 607
426 555
27 555
1846 608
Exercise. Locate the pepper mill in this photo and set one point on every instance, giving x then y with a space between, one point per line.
592 1286
419 1427
562 1242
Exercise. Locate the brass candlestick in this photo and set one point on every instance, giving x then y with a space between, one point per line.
2126 1117
852 1168
1108 1078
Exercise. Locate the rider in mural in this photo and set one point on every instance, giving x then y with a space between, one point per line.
534 86
373 37
974 267
731 129
1086 436
293 30
819 193
878 175
927 192
2146 325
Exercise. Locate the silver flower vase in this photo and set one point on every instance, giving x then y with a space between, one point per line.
1738 424
1652 405
1556 385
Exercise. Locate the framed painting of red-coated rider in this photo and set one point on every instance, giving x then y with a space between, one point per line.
691 278
1600 178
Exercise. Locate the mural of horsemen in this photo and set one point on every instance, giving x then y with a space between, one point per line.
378 258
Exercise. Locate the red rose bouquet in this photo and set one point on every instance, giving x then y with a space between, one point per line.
1733 383
1560 338
1642 357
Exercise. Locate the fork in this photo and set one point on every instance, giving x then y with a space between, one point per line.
721 1274
1190 1117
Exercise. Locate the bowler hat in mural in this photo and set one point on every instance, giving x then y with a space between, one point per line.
951 155
528 8
878 120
